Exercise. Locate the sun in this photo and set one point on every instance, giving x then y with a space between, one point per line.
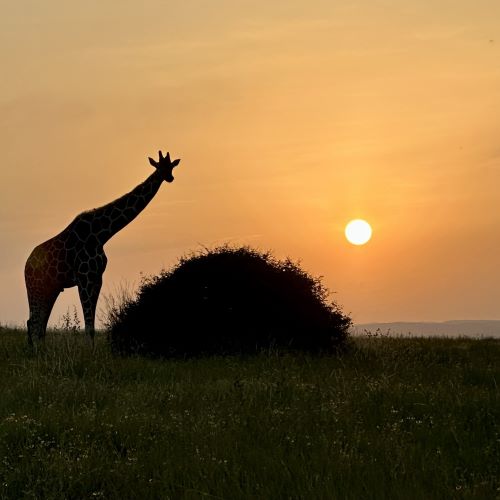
358 232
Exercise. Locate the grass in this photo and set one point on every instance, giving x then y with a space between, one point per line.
391 418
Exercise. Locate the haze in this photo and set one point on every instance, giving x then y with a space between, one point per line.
291 118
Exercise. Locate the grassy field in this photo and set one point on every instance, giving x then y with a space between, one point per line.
391 418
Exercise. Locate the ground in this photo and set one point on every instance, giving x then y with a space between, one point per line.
389 418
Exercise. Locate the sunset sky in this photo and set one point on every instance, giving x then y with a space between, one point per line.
291 118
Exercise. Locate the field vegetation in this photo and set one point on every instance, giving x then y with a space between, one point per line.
227 300
388 418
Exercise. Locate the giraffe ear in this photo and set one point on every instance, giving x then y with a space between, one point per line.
154 163
175 163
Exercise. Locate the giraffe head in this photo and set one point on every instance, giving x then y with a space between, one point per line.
164 166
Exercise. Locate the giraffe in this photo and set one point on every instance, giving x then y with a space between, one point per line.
75 256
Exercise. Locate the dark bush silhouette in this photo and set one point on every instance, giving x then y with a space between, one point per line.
228 300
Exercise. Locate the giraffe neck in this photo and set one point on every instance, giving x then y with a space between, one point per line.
106 221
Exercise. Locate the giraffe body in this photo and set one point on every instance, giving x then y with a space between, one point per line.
75 257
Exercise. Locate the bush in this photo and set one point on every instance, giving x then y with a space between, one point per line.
228 301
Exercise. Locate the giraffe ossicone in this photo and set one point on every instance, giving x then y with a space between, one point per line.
75 256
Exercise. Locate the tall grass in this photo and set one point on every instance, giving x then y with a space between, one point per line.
390 418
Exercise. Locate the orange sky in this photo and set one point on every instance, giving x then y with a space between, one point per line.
291 118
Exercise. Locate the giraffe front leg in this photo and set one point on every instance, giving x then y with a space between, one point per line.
89 293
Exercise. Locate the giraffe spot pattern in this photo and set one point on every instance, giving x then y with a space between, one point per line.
76 255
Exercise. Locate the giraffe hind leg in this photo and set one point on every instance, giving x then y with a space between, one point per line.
40 309
30 332
33 303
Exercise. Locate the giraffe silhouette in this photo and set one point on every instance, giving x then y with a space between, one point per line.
75 257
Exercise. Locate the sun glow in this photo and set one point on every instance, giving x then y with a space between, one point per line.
358 232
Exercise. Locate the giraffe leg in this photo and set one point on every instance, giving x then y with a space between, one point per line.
33 323
45 314
30 333
89 293
40 309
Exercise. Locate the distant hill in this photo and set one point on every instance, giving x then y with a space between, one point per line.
454 328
